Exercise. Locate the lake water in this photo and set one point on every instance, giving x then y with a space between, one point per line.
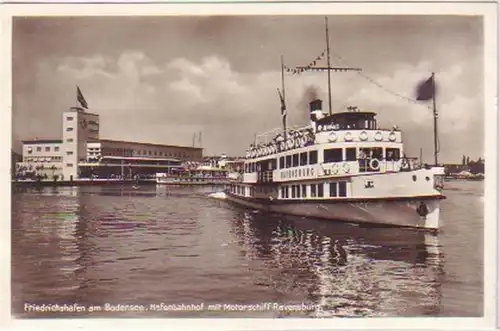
156 248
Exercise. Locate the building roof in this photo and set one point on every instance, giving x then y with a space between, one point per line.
81 110
59 141
139 143
42 141
138 158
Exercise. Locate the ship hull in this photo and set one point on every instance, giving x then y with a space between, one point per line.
398 212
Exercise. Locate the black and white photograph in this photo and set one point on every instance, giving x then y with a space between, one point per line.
281 166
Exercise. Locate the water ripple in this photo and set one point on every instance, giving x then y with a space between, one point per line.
177 245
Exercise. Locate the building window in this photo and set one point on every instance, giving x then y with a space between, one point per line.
295 160
39 149
288 161
69 140
332 155
69 153
47 148
69 165
304 191
69 118
30 150
56 149
69 129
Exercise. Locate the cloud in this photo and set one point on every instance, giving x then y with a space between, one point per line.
166 102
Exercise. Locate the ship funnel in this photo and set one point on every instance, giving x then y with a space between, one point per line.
316 105
316 110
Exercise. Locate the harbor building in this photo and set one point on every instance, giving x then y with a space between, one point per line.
81 153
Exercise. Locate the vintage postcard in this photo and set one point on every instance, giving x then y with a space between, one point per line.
261 166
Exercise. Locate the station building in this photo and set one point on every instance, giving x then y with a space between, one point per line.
80 153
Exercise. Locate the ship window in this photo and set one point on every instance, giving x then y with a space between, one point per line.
47 148
342 189
332 155
377 153
282 162
392 154
69 129
313 190
274 164
333 189
303 158
288 161
295 160
350 154
293 191
297 188
313 157
304 191
320 190
39 149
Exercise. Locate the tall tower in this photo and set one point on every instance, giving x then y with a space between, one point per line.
78 128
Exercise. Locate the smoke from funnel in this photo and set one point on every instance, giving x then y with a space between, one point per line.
311 93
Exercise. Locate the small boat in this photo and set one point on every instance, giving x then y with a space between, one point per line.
208 173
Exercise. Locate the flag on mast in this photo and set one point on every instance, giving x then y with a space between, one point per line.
80 98
426 90
283 108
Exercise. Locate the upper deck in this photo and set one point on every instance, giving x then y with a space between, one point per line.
342 128
341 144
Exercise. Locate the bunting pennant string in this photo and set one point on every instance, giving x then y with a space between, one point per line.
374 82
310 66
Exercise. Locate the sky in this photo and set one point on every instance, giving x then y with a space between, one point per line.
162 79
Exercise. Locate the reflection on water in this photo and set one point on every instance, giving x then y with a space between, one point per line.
174 245
389 272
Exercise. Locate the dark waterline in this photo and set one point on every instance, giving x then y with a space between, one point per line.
178 245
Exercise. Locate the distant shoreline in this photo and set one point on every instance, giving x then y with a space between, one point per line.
464 179
77 182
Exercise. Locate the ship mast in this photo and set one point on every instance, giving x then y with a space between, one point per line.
283 101
328 68
328 64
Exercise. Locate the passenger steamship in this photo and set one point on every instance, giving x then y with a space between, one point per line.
341 167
